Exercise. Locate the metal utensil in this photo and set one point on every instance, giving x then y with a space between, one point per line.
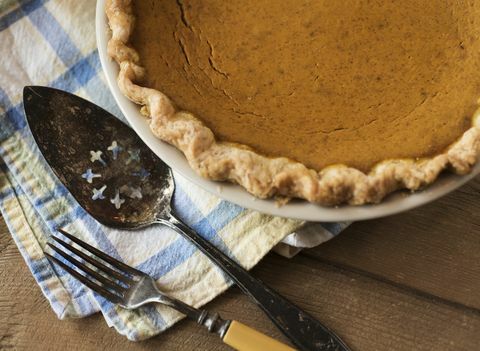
130 288
101 160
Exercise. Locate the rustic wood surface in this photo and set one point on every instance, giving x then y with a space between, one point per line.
406 282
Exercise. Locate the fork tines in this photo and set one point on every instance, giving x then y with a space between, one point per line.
111 285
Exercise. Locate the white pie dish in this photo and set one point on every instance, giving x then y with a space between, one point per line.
394 203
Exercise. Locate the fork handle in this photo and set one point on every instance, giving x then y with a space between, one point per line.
243 338
302 329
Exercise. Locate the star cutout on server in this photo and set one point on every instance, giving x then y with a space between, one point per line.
115 149
134 156
135 193
98 193
142 173
117 201
89 175
97 156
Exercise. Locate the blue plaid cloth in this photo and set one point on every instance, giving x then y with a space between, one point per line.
53 43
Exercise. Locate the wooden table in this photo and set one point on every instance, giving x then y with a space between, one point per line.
407 282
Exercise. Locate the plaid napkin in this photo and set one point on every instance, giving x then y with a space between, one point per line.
53 43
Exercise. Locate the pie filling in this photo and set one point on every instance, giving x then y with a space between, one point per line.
320 82
269 94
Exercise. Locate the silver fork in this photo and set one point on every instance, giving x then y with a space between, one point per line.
130 288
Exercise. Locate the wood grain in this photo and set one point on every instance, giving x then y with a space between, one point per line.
408 282
434 249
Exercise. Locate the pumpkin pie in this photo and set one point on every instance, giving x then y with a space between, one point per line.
329 101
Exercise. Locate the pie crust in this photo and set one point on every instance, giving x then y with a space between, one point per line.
264 176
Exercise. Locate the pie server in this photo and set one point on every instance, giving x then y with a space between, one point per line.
120 182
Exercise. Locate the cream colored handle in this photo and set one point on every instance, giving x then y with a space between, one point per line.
244 338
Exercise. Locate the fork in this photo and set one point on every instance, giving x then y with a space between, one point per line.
130 288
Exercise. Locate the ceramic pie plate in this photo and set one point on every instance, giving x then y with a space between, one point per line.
392 204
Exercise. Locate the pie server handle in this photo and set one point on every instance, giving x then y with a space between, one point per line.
305 332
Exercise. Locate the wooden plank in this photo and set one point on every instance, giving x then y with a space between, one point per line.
369 314
434 249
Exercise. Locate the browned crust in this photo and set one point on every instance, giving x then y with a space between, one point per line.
262 176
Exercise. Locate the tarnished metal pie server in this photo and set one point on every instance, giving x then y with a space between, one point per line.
118 180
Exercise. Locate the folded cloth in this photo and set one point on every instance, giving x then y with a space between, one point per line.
53 43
